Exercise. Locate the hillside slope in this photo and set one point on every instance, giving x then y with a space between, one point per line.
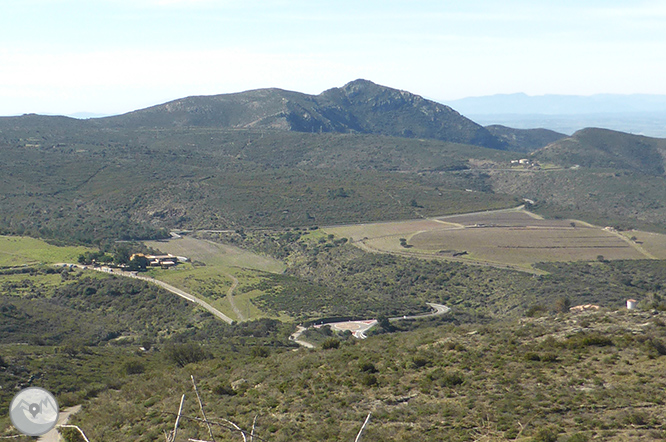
603 148
524 140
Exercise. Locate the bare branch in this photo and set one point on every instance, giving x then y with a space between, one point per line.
254 424
203 413
180 412
227 425
236 427
358 437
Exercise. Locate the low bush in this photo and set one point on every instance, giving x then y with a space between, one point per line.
581 340
330 344
133 367
367 367
183 354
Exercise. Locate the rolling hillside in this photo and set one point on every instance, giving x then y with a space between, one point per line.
524 140
602 148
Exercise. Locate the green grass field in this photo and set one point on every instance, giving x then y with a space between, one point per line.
515 238
18 250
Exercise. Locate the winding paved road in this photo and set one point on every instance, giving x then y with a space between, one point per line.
358 328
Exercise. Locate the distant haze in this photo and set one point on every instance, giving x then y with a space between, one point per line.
639 113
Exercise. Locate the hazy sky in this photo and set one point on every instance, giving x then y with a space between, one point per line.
112 56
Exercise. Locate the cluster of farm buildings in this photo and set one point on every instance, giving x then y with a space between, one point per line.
525 163
164 261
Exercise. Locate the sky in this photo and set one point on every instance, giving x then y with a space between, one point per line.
114 56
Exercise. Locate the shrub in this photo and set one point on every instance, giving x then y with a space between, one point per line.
260 351
635 418
657 346
330 343
546 435
578 437
588 340
451 379
224 389
420 361
457 346
549 357
531 356
71 435
133 367
536 311
367 367
183 354
368 380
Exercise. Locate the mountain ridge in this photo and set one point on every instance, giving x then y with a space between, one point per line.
360 106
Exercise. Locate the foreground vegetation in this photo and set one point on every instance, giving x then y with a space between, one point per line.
567 377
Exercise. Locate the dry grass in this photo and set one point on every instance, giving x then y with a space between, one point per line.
357 232
653 243
212 253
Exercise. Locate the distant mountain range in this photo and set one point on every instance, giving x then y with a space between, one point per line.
638 114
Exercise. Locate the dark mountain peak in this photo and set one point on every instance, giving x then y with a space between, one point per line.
364 91
359 84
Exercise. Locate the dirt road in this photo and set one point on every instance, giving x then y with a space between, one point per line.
164 285
297 334
63 417
230 296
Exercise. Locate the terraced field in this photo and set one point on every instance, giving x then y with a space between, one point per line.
507 238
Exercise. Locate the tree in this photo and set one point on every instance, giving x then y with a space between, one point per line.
383 322
138 263
562 304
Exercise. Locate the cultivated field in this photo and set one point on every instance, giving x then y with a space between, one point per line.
508 238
